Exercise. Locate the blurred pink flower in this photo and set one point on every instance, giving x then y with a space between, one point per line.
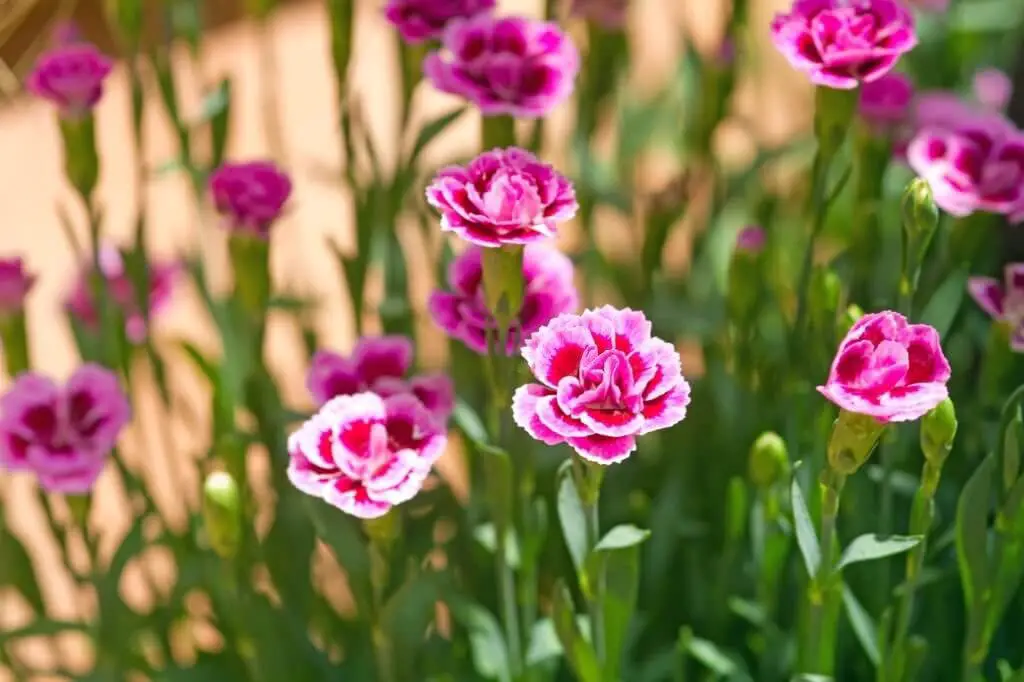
751 239
62 434
70 76
508 66
250 195
993 89
604 380
421 20
15 283
608 14
844 43
887 103
504 196
888 369
378 364
1004 301
977 165
66 33
81 302
463 314
364 454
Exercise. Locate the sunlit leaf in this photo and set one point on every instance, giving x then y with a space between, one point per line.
869 547
862 625
806 538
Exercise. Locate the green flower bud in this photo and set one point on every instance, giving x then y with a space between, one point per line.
222 513
854 437
920 214
503 283
769 460
848 319
938 429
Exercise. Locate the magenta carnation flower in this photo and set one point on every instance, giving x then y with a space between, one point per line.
82 305
1003 301
70 76
251 195
751 239
379 364
604 380
888 369
976 165
992 89
608 14
844 43
508 66
364 454
887 102
62 434
15 283
421 20
504 196
463 313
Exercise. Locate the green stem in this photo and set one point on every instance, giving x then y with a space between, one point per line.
14 336
819 174
831 488
382 650
497 132
588 482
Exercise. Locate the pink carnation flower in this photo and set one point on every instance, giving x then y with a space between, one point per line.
976 165
888 369
421 20
1004 301
81 302
508 66
62 434
604 380
71 76
379 364
251 195
887 102
751 239
364 454
993 89
844 43
504 196
608 14
15 283
463 314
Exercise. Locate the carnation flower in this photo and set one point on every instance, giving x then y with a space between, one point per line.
887 102
844 43
364 454
603 381
378 364
751 239
421 20
549 290
15 283
62 434
508 66
251 195
1003 301
974 165
993 89
504 196
120 290
888 369
71 76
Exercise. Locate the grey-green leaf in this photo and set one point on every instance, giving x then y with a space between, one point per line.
622 536
806 538
972 531
863 627
870 546
486 643
571 516
578 651
17 571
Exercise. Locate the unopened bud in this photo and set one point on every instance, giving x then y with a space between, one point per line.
938 429
920 219
854 437
222 513
769 460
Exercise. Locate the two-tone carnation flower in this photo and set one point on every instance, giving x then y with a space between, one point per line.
888 369
505 66
504 196
63 434
602 380
71 76
844 43
15 283
379 364
421 20
250 196
1003 301
364 453
976 164
81 302
887 103
549 291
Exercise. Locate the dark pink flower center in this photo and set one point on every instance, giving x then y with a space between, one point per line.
605 383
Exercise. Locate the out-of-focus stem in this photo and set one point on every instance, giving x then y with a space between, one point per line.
588 483
831 488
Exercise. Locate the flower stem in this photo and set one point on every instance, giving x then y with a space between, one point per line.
379 576
817 591
588 482
497 131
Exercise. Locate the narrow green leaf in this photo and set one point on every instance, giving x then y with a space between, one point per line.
43 627
544 642
578 651
487 535
863 627
469 423
870 546
17 570
623 536
972 532
486 642
571 516
806 538
1011 440
945 302
708 654
432 129
409 612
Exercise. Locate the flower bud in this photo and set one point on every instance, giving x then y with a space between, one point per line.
503 284
769 460
938 429
920 219
854 437
222 513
